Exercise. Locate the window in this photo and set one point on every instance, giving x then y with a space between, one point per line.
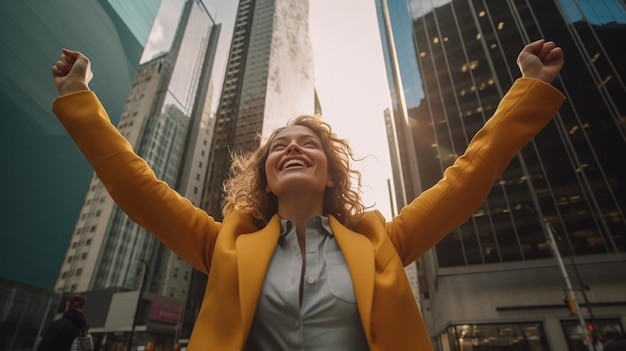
500 336
596 331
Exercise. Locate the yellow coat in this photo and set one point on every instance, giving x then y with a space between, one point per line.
235 254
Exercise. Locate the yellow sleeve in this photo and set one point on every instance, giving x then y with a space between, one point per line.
525 109
185 229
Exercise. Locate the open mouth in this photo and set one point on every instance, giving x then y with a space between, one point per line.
294 162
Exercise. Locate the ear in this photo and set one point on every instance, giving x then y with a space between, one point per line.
268 190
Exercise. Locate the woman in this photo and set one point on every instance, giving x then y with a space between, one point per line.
297 262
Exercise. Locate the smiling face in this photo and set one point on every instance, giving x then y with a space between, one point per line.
296 162
302 170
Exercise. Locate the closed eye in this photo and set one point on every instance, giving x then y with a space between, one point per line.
278 147
311 143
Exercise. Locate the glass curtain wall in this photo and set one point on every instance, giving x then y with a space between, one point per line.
567 175
162 144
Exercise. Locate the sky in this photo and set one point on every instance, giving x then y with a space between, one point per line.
349 76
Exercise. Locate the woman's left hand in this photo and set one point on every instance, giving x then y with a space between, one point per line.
541 60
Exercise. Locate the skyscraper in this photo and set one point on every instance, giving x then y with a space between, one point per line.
269 79
494 281
44 173
113 34
405 91
168 118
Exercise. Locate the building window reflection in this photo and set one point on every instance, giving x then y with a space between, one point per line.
597 331
528 336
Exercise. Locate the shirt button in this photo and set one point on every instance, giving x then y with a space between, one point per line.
296 324
312 250
311 280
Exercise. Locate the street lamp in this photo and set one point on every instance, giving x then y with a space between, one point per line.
135 316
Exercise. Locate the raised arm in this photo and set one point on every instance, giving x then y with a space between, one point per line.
524 110
187 230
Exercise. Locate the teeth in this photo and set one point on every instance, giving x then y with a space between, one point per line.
294 162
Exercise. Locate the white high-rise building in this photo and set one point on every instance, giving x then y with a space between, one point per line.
168 118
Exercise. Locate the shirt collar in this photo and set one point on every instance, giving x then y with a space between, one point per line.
318 222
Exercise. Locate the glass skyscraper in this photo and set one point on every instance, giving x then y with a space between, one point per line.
168 118
49 183
269 80
45 175
494 281
165 106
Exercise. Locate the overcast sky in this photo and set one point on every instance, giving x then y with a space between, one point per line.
349 75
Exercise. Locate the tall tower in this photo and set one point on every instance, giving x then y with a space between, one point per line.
168 120
460 63
405 90
113 34
269 80
46 172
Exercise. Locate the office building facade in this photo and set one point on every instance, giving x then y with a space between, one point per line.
496 281
113 34
168 118
46 172
268 80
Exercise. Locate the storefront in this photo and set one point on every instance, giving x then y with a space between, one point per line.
113 325
526 336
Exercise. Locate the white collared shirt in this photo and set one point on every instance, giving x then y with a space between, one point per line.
328 318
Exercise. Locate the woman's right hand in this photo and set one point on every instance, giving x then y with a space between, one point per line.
72 72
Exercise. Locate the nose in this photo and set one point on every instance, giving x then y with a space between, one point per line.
293 147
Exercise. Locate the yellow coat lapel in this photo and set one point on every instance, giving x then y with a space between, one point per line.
254 253
359 255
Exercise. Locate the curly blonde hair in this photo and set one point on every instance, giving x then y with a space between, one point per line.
245 189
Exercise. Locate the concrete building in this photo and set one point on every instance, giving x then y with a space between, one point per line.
496 282
168 118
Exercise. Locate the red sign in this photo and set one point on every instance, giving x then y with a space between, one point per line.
162 312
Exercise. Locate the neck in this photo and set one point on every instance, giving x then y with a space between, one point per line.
299 207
